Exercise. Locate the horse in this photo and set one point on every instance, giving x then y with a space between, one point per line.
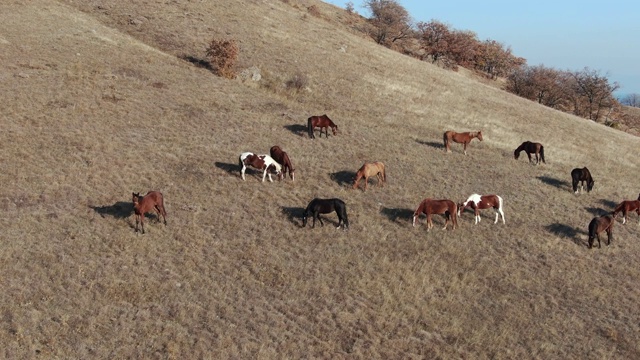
260 162
282 158
324 206
530 148
152 201
478 202
625 207
581 175
323 122
461 138
598 225
445 207
370 169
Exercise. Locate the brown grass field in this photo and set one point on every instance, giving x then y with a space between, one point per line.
96 103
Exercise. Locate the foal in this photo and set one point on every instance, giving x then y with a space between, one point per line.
152 201
598 225
627 206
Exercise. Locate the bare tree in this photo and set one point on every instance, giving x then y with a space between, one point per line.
433 37
593 93
631 100
390 20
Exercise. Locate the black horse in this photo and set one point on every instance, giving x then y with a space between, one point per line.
325 206
598 225
530 148
581 175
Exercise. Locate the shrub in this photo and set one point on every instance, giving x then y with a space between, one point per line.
297 82
222 55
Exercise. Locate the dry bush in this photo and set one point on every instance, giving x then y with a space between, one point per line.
223 55
297 82
313 10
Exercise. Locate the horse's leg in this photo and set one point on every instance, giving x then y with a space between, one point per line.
137 221
464 150
340 220
598 236
142 222
624 216
429 223
497 215
501 214
529 156
446 221
366 182
609 234
244 167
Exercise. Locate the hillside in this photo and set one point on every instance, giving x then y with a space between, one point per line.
97 103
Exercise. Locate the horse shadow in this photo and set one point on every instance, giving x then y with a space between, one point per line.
597 211
344 177
230 168
397 214
609 203
201 63
294 214
119 210
564 230
433 144
560 184
297 129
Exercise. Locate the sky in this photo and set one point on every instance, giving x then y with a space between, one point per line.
559 34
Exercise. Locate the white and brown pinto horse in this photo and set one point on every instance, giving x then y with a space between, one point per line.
260 162
283 159
479 202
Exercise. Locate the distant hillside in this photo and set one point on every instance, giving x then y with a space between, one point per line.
104 99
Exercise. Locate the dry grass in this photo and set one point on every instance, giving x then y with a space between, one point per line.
97 104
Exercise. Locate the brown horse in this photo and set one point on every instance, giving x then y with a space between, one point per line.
580 176
283 159
152 201
461 138
370 169
323 122
530 148
479 202
625 207
429 207
598 225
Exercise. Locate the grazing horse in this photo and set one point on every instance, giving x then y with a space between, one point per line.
461 138
598 225
581 175
152 201
323 122
445 207
325 206
530 148
370 169
260 162
479 202
625 207
282 158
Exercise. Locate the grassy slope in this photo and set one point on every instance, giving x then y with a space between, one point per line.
96 105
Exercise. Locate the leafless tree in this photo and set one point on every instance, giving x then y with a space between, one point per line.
390 20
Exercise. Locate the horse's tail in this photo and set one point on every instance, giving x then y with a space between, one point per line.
310 127
384 173
542 154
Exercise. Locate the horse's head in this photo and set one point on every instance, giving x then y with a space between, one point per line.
479 135
516 154
135 197
305 214
590 184
334 129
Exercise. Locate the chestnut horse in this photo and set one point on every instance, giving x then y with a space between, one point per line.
461 138
478 202
581 175
445 207
598 225
283 159
370 169
323 122
530 148
260 162
625 207
152 201
325 206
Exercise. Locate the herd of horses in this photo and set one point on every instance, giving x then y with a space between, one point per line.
278 162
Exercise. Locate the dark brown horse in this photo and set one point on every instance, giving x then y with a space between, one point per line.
461 138
370 169
445 207
323 122
598 225
283 159
152 201
627 206
325 206
581 175
478 202
530 148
